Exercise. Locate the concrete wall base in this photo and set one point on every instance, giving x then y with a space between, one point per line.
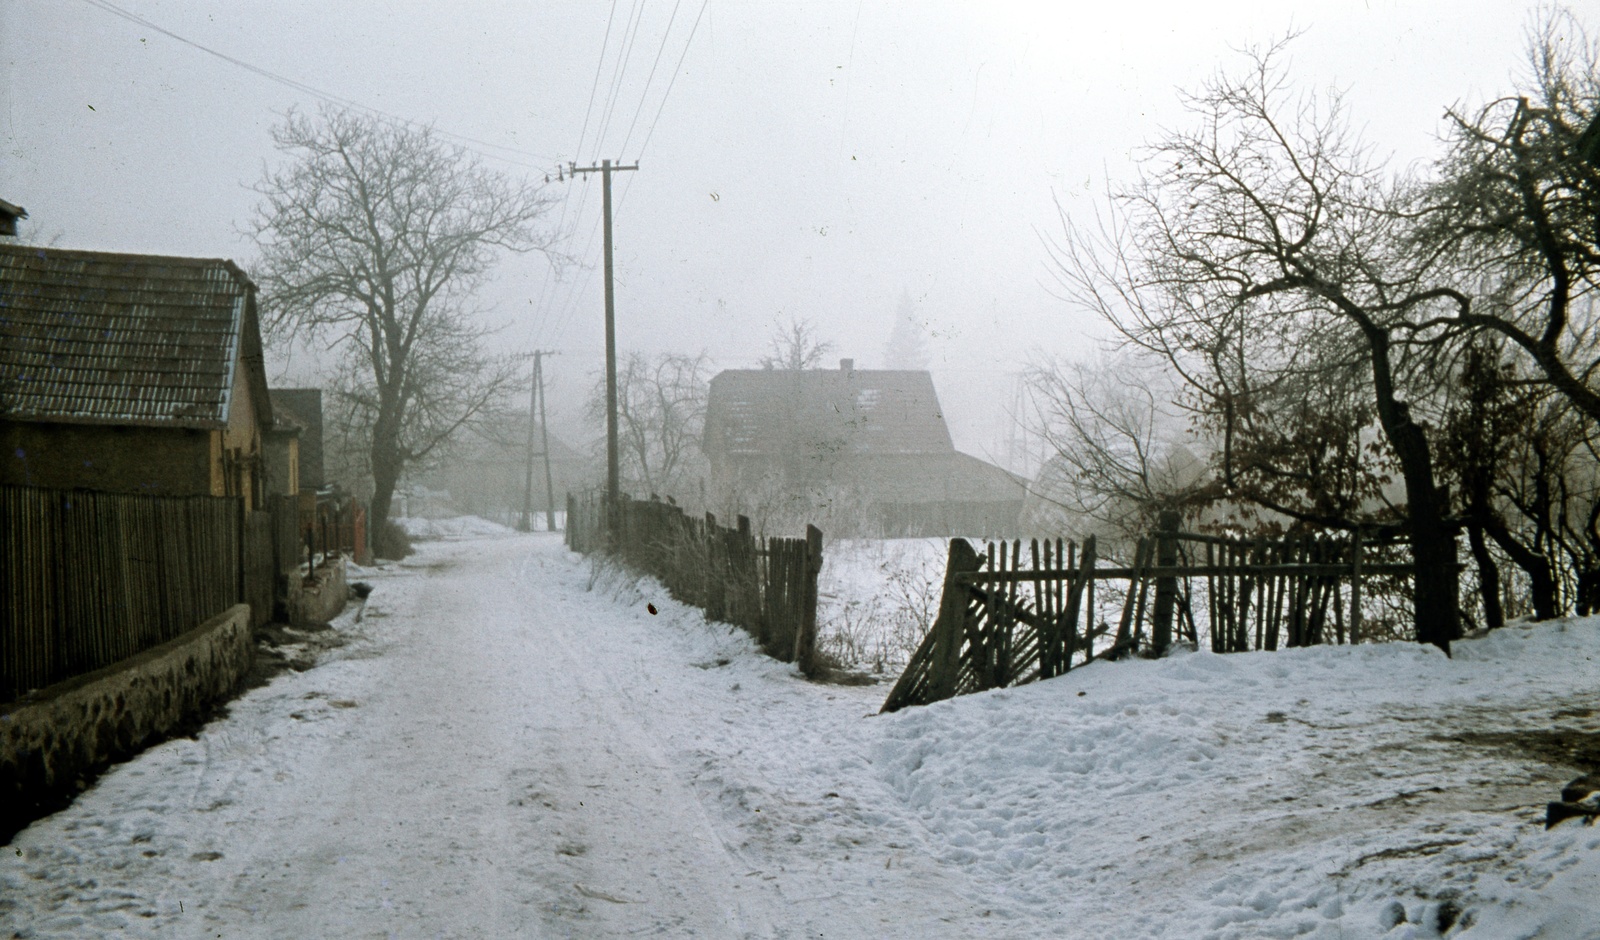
322 599
52 737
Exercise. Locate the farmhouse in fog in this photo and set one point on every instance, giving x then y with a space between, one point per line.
130 373
858 451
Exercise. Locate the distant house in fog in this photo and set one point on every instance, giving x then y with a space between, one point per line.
863 451
486 472
294 445
130 373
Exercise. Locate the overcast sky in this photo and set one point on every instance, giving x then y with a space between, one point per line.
813 159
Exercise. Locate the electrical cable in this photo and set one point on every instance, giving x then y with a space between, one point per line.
635 14
108 7
665 35
676 70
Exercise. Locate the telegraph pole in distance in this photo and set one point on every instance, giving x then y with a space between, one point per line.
544 434
536 397
605 169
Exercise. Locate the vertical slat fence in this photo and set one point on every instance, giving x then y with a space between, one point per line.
767 586
1004 619
88 578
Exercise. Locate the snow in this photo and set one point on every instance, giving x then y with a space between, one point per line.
453 528
876 598
510 744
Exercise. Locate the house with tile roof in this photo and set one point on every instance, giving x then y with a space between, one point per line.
294 443
867 450
130 373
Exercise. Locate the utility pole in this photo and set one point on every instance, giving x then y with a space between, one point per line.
544 435
605 169
536 397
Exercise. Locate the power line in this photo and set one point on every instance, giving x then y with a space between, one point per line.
665 35
605 43
679 68
635 14
108 7
562 311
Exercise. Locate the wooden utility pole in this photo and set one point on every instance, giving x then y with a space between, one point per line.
605 169
544 437
536 399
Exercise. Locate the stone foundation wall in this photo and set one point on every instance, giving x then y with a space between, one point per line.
51 737
322 599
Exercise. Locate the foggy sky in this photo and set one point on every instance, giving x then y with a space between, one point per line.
813 159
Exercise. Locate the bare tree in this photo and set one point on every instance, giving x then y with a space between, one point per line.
908 344
374 236
661 409
1516 208
794 345
1261 244
1121 454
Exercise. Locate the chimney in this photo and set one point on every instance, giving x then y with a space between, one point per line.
847 365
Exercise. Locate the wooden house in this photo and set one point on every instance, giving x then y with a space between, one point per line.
866 450
130 373
294 444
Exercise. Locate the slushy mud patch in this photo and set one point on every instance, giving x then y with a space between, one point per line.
1565 748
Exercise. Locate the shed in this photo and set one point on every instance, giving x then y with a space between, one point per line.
130 373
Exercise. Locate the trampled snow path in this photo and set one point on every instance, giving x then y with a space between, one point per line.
501 751
488 758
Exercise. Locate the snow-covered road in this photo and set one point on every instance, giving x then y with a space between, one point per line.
512 745
488 757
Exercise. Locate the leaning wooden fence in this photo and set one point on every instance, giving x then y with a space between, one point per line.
1011 616
87 579
767 586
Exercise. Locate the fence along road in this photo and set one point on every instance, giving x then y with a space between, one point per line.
1009 616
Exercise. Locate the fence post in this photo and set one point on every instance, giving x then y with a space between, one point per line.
746 565
950 626
805 640
1355 586
1166 585
1082 586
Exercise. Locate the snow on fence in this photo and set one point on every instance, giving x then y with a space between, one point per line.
88 579
768 587
1005 620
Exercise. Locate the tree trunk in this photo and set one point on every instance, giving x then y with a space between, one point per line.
386 467
1541 574
1436 614
1488 578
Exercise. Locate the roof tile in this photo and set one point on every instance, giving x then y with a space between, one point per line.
118 339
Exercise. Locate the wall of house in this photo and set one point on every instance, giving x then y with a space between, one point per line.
53 736
242 460
281 457
118 459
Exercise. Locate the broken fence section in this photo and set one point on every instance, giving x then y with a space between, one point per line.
1013 615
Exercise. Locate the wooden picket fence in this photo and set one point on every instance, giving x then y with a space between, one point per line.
1008 617
87 579
767 586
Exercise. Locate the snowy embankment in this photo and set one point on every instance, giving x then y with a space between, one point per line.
513 745
454 528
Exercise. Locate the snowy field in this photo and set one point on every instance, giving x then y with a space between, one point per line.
511 744
876 599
